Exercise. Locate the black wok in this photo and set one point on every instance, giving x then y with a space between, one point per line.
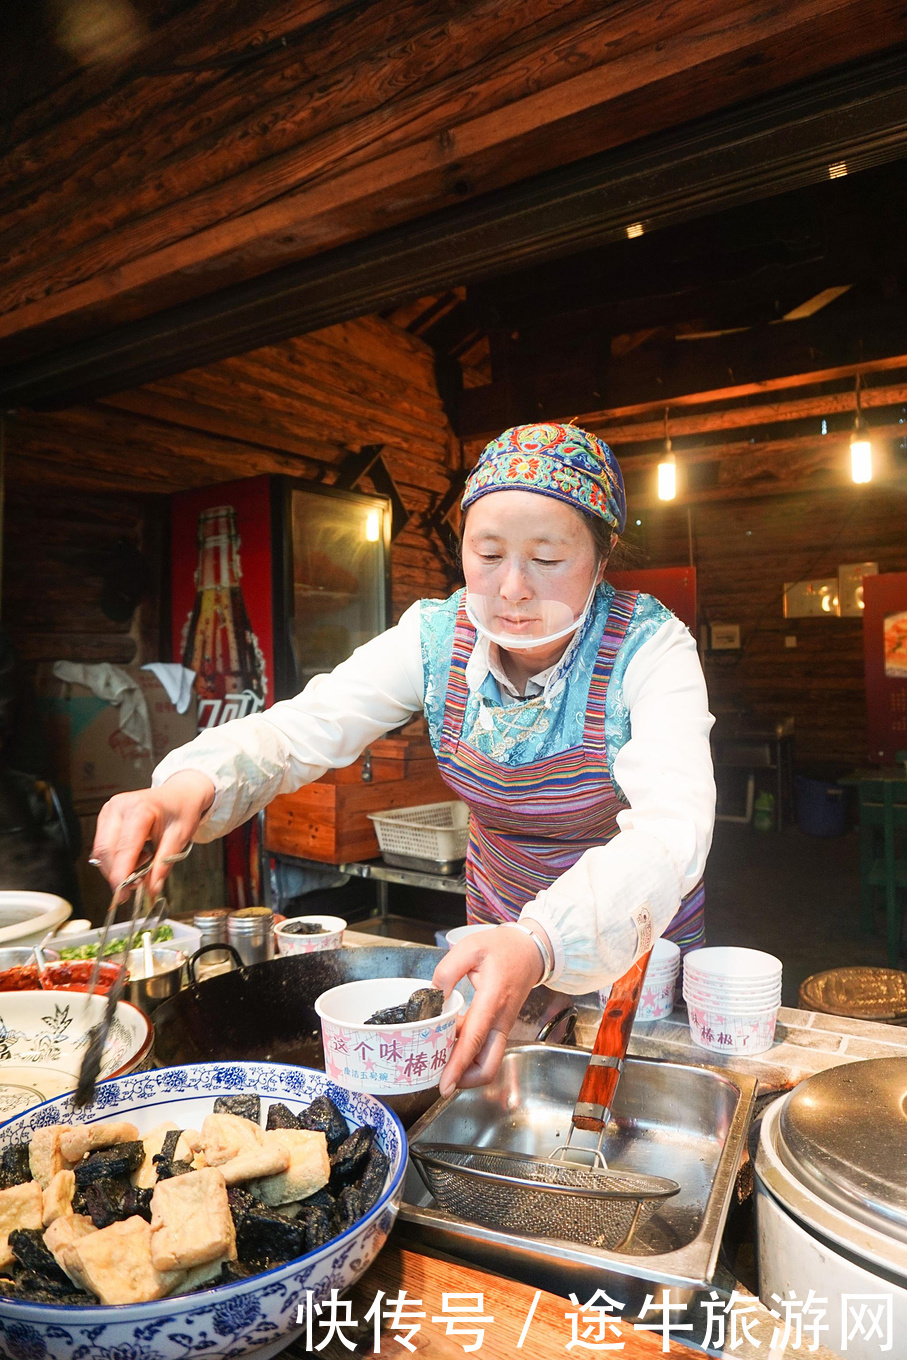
267 1012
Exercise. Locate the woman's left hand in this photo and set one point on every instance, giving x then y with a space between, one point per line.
503 967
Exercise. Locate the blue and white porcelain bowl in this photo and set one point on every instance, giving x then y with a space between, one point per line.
254 1317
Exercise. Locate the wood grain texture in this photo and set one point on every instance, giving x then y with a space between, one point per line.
189 174
507 1302
297 409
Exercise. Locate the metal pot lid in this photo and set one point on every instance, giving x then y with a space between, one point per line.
843 1134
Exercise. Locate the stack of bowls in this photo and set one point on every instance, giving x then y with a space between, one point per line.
732 997
656 999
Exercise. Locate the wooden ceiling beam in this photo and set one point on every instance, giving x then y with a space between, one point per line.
760 150
741 417
828 347
453 157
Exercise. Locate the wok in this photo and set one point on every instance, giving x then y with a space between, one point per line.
266 1012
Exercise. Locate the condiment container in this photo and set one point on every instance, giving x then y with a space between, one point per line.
251 933
167 979
213 928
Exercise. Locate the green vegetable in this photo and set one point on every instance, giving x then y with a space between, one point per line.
89 951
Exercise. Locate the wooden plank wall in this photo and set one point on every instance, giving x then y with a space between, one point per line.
230 139
79 479
744 552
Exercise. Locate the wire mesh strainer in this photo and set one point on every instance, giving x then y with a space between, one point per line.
515 1192
560 1196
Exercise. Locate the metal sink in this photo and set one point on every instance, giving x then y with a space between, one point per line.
687 1123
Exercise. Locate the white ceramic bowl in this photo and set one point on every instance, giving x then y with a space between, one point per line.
731 963
384 1059
331 937
44 1036
254 1317
463 932
735 1032
26 917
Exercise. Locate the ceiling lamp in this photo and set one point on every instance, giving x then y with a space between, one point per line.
667 469
860 447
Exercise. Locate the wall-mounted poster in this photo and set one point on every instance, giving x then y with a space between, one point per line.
885 656
894 635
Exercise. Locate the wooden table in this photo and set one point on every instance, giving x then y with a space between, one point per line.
428 1278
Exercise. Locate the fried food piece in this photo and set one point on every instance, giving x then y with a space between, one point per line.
21 1206
426 1003
191 1222
322 1114
153 1142
78 1141
45 1154
62 1235
225 1136
268 1160
309 1167
266 1237
58 1195
209 1273
14 1166
32 1253
107 1163
350 1159
116 1264
280 1116
246 1107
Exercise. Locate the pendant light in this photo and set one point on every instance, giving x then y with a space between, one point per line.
860 447
667 469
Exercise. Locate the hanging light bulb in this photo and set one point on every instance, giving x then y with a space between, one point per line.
860 447
667 469
372 526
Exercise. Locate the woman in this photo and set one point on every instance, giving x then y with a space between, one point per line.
572 719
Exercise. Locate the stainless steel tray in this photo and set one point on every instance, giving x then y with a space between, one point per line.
445 867
688 1123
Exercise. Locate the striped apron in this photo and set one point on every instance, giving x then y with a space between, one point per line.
530 823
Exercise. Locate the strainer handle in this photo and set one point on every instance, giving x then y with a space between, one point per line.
593 1106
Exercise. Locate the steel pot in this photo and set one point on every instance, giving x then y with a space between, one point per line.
267 1011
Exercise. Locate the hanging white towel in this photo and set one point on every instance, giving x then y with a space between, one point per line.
177 680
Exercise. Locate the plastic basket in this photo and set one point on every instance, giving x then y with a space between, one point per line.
435 833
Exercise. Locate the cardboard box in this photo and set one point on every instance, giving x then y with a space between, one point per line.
92 758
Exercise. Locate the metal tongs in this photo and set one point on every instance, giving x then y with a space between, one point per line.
98 1035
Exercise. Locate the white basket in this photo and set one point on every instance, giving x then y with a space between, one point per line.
434 831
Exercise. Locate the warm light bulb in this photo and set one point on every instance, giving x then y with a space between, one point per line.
373 526
860 459
667 478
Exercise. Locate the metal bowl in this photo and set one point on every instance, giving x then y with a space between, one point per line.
149 992
19 955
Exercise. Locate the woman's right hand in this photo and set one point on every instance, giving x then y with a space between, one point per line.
167 816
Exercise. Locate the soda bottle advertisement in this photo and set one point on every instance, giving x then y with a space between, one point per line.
222 597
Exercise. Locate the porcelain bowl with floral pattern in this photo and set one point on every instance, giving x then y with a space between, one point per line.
44 1034
256 1317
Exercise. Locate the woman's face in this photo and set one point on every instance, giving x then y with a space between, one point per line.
534 562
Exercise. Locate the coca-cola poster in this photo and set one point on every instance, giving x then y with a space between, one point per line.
222 596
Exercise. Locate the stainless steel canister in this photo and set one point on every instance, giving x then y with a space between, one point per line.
213 927
251 933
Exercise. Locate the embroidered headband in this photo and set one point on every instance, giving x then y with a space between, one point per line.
561 461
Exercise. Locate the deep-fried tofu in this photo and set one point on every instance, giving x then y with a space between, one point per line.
209 1273
20 1207
58 1196
62 1236
191 1222
45 1154
116 1264
225 1136
153 1141
266 1160
84 1138
309 1169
